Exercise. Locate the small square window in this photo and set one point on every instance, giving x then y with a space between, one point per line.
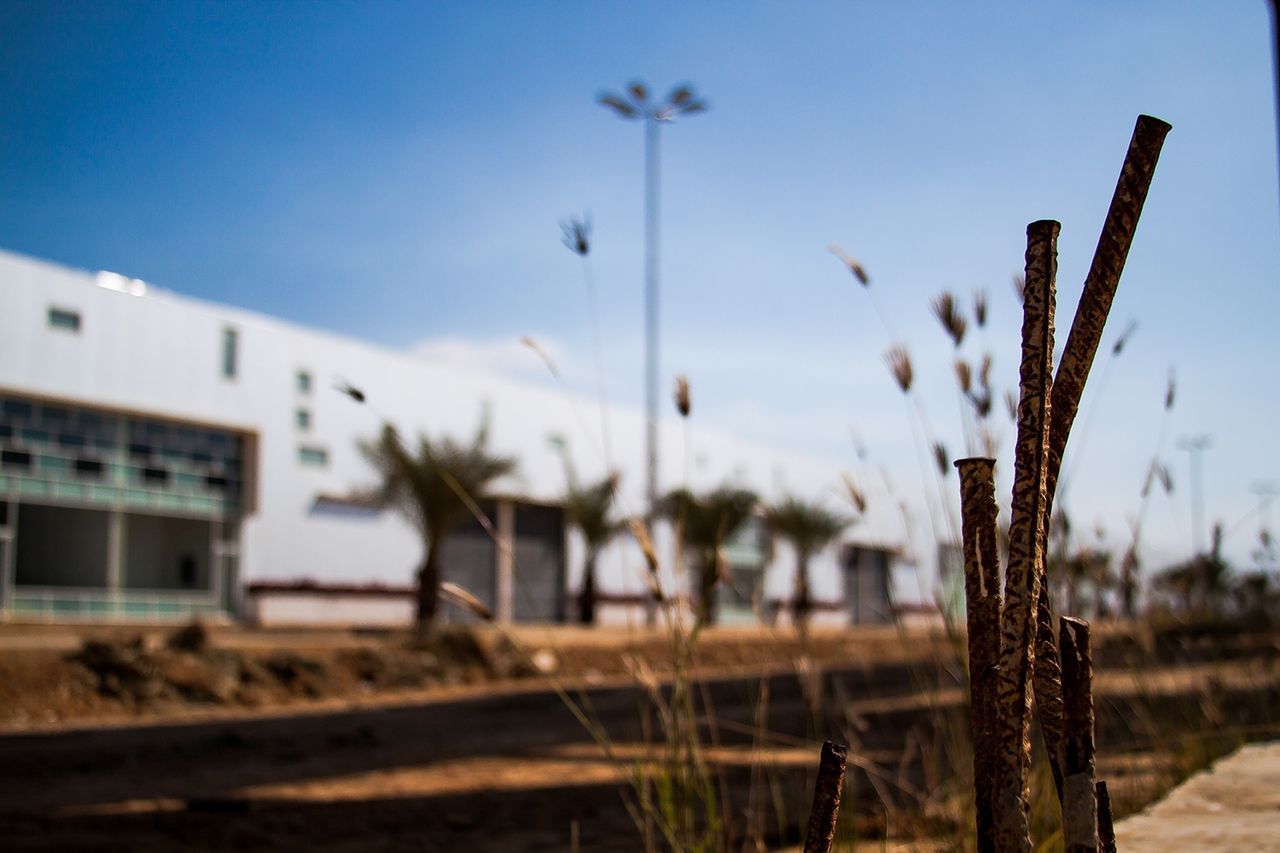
229 353
65 319
304 382
303 419
316 456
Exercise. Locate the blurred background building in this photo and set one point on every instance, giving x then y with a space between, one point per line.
163 457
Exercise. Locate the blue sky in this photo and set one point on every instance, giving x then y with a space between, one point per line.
397 172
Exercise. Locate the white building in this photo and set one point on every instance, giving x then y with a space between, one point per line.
159 455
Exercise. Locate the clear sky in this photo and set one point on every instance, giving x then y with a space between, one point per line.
397 172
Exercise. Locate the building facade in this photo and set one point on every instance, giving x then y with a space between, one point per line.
161 455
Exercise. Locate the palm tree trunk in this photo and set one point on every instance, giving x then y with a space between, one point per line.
429 588
707 591
803 602
587 595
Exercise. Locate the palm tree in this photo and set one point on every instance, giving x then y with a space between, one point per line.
703 524
808 528
588 509
433 489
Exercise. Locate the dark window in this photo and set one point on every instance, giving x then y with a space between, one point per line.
317 456
302 418
19 459
304 382
6 431
187 570
56 415
64 318
140 450
17 409
89 467
201 458
213 481
71 439
229 353
153 474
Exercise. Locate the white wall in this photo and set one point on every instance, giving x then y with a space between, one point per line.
143 349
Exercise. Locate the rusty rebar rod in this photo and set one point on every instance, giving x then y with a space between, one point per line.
1027 532
978 514
1068 385
826 799
1106 826
1080 802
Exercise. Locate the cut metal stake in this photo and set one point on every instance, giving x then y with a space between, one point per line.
826 799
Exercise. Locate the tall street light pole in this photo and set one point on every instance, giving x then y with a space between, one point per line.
1195 445
635 105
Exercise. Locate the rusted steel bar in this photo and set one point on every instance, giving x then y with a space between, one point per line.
1068 385
826 799
978 513
1080 803
1027 531
1106 826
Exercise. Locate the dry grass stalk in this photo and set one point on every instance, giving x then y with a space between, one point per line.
1068 384
450 591
1106 827
978 514
1027 533
856 496
980 307
900 366
949 315
1079 804
826 799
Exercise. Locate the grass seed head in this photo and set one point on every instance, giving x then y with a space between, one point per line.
1121 341
980 307
948 314
1169 392
577 235
900 366
854 267
1020 287
683 403
856 496
1011 403
964 375
940 457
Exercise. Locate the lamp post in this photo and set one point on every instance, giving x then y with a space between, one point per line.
1195 445
635 105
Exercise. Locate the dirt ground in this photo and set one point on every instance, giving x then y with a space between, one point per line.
233 739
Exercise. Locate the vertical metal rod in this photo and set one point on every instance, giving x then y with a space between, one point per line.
826 799
1068 385
1079 803
978 518
1027 533
651 168
1106 826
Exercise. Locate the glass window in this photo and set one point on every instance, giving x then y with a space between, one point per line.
303 419
313 456
64 318
229 346
304 382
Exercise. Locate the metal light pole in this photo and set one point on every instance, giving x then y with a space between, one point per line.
636 106
1195 445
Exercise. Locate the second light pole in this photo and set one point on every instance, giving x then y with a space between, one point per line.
635 105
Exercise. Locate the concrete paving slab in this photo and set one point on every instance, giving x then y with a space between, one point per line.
1234 805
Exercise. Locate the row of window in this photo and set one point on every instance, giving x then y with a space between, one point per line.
67 319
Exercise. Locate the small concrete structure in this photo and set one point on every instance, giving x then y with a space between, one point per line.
1234 805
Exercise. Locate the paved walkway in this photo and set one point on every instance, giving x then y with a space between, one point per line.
1234 805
